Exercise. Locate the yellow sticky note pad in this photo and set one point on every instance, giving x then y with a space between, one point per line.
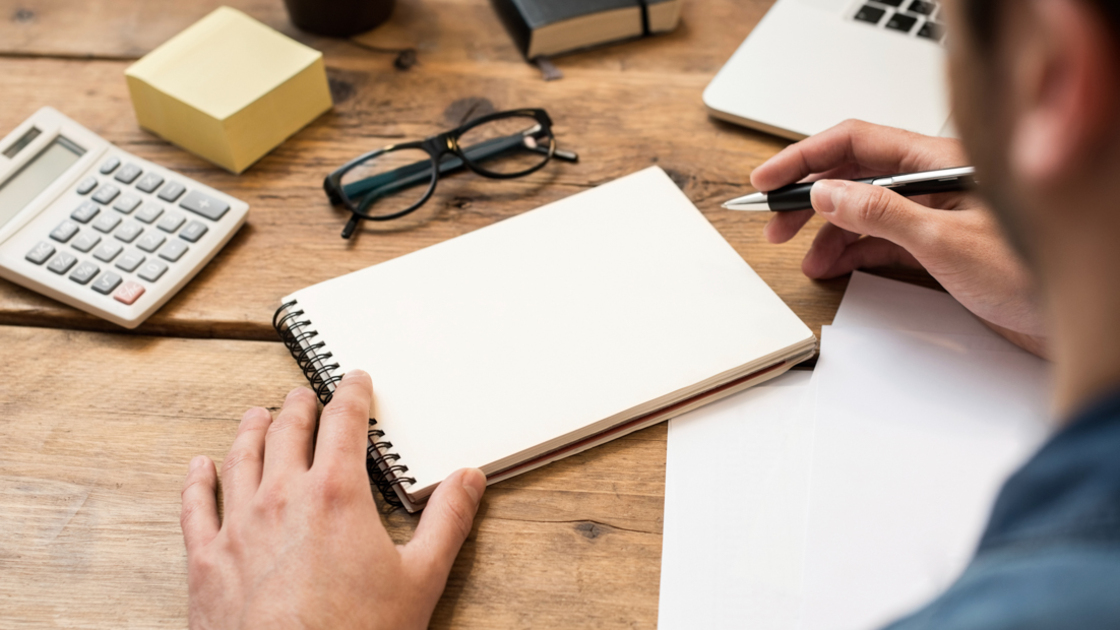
229 89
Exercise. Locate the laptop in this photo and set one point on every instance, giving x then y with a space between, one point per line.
810 64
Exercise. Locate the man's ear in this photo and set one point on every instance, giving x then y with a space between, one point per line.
1063 85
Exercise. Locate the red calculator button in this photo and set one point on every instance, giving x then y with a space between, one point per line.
128 293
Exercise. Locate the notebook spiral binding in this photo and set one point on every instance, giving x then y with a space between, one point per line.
314 359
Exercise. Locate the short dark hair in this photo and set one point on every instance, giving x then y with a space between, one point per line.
983 17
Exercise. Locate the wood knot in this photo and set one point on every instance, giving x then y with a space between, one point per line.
22 16
466 109
341 90
589 530
405 59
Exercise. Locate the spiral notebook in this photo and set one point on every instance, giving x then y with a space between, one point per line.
543 335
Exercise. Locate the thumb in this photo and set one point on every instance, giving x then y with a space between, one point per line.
447 521
874 211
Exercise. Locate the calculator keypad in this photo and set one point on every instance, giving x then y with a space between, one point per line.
62 263
86 241
127 189
149 212
108 251
126 203
106 193
87 185
106 283
85 212
128 232
127 174
40 253
65 231
84 272
128 293
130 261
107 222
171 191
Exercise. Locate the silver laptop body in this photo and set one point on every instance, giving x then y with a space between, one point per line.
810 64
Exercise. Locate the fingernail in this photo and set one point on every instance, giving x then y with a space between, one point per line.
353 375
196 462
474 483
827 195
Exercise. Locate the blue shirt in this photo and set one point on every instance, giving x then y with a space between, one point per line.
1050 555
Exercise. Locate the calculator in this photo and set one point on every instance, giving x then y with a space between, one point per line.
98 228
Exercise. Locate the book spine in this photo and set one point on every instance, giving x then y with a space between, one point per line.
385 470
515 23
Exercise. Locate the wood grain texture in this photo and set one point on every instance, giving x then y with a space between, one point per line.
97 432
622 108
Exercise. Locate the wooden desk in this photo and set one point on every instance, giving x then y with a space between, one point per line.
97 427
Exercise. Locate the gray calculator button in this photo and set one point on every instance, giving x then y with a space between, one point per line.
43 251
205 205
130 261
86 241
173 252
128 173
87 185
62 263
149 182
107 222
193 231
126 203
106 283
171 191
149 211
151 241
85 212
108 251
128 232
152 270
109 165
170 222
84 272
65 231
106 193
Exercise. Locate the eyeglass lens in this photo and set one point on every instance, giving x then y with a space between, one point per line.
395 181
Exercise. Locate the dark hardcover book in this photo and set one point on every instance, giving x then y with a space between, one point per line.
552 27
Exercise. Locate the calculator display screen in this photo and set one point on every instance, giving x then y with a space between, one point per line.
36 175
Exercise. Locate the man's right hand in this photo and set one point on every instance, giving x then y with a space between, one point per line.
951 235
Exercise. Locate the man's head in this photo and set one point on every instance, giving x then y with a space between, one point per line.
1036 92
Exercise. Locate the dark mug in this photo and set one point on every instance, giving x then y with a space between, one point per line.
338 18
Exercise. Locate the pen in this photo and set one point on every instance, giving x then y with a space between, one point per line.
796 196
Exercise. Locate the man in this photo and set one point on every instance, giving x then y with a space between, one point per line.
1036 86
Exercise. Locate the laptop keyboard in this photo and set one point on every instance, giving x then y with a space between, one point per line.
916 18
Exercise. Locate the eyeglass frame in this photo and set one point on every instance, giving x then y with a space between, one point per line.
436 147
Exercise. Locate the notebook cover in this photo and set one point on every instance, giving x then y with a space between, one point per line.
553 325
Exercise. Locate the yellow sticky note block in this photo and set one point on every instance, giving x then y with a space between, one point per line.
228 89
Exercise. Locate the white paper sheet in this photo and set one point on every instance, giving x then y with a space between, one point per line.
874 302
916 431
919 413
736 496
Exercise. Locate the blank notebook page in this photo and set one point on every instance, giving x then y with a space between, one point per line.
491 344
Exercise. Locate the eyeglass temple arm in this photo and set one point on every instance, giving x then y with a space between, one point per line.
420 172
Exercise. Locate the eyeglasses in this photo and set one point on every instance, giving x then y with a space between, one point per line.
392 182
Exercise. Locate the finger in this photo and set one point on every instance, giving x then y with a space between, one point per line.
861 254
876 211
827 246
785 225
241 470
446 522
199 516
344 426
872 148
287 447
